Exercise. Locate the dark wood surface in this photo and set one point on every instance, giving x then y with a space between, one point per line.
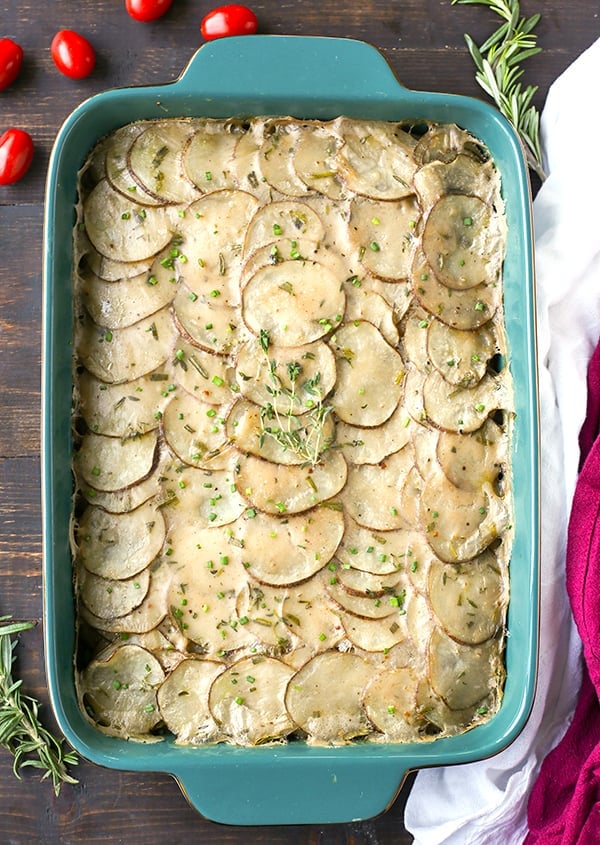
423 41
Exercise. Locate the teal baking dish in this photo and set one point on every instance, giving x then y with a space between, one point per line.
315 78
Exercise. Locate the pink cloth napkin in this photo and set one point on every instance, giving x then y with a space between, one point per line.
564 807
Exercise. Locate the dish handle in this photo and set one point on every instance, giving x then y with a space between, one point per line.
281 789
291 68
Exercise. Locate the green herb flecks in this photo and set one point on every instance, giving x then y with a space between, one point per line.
498 62
21 732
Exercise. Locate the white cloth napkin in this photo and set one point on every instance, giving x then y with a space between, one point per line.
485 803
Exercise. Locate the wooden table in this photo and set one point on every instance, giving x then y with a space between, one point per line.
423 41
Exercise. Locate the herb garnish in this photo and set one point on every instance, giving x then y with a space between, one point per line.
21 732
498 72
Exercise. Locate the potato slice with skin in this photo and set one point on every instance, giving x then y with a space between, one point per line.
374 308
460 309
454 408
125 409
357 582
195 431
141 232
199 498
461 357
278 489
324 697
250 435
372 445
109 463
374 635
463 242
460 674
206 573
311 615
119 546
183 701
216 328
468 599
385 606
383 233
462 175
116 169
276 158
390 702
154 160
212 232
469 461
117 305
377 552
285 220
203 374
120 692
247 700
107 597
369 382
372 493
294 248
283 551
375 159
265 377
207 158
295 301
144 618
124 500
316 164
125 354
109 269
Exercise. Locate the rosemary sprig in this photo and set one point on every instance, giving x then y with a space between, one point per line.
21 731
498 62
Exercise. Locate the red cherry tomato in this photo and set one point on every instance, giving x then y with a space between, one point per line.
73 54
233 19
147 10
11 59
16 154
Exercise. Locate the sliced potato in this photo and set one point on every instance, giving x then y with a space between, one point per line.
460 674
295 301
367 304
324 697
265 377
247 700
259 606
119 546
199 498
390 701
125 409
461 357
141 231
125 354
289 550
387 605
463 175
374 635
110 269
463 242
116 306
466 309
315 161
372 445
370 374
455 408
468 599
119 693
118 173
378 552
207 157
277 489
283 219
277 158
372 493
147 616
375 159
195 431
309 613
123 500
154 160
107 597
109 463
470 461
183 701
203 374
216 328
384 235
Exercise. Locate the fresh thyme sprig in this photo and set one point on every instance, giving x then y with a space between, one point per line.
21 731
498 62
307 441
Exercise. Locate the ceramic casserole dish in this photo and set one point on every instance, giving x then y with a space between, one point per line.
316 78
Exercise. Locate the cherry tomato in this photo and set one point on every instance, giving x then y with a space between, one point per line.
73 54
16 154
147 10
11 59
233 19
